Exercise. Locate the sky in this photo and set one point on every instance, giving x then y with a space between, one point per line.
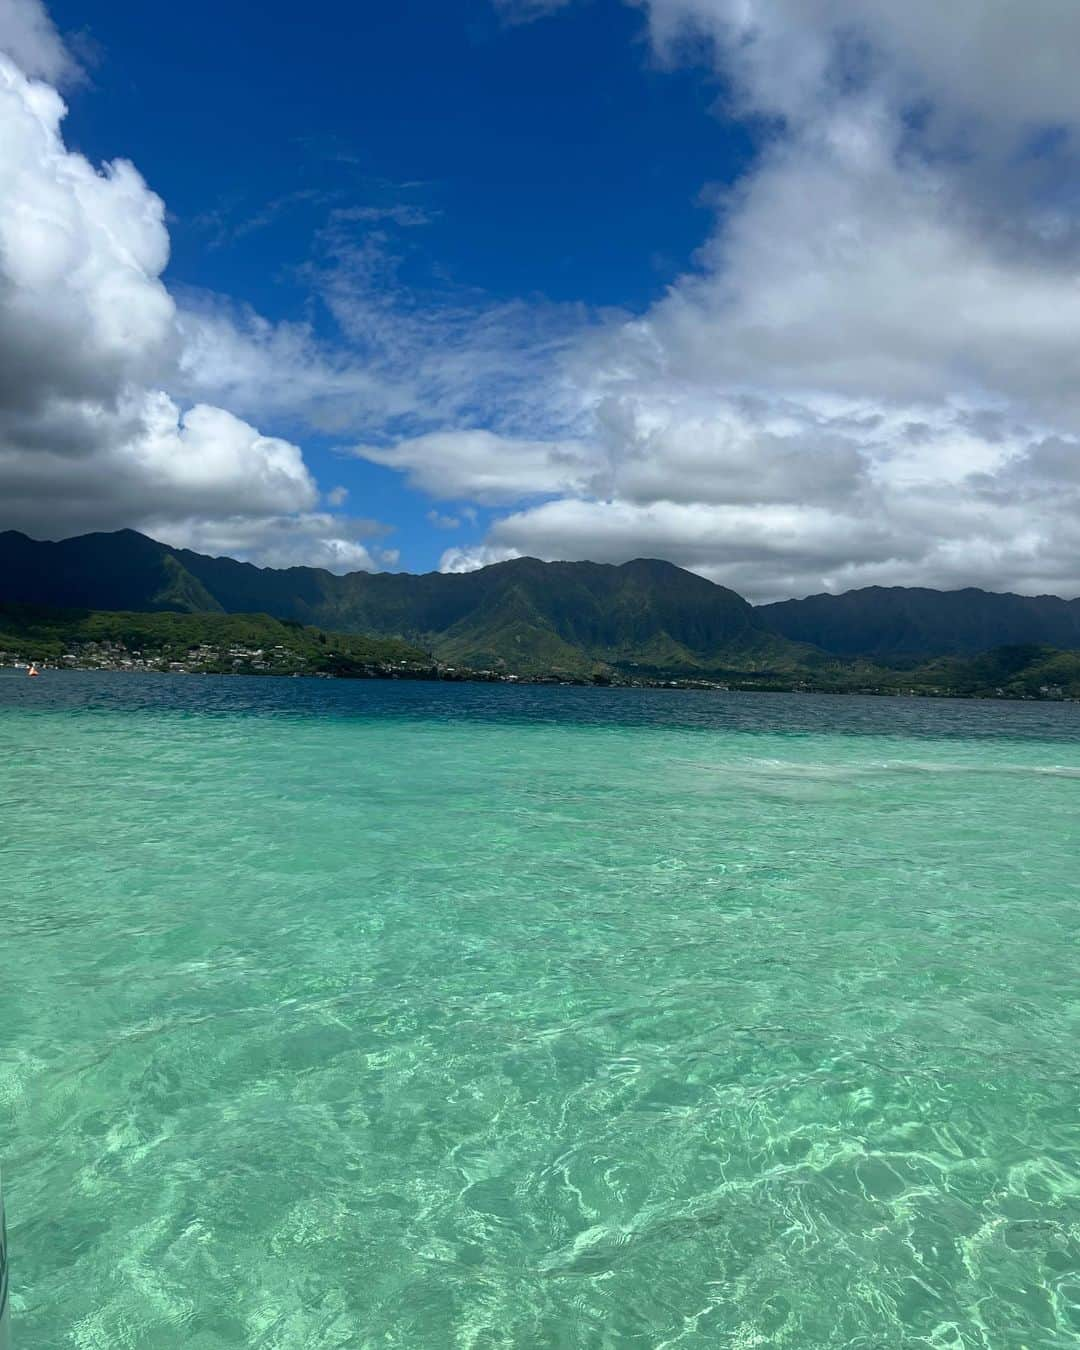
784 291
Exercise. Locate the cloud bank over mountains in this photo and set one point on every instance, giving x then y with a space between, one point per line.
870 375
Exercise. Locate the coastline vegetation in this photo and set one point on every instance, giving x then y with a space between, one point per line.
215 643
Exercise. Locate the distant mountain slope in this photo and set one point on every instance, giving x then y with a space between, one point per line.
124 570
646 617
530 616
907 623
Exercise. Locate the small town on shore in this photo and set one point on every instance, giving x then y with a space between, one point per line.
238 659
280 660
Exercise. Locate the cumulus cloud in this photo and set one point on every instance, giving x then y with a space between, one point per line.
203 461
473 557
1006 63
90 341
113 391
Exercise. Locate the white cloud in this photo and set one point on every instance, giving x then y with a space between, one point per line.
1006 62
208 455
486 467
709 538
304 539
154 462
406 359
29 37
83 314
697 446
472 558
435 353
263 369
89 341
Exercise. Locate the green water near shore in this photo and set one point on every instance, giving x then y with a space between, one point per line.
339 1016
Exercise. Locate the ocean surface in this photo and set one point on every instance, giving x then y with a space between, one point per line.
472 1017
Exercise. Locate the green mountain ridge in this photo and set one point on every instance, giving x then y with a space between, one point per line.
641 618
906 624
523 616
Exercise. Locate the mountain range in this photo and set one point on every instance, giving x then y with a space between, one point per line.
644 616
899 623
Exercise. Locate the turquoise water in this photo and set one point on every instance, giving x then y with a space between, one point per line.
402 1015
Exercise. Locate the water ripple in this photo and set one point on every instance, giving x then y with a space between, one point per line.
343 1016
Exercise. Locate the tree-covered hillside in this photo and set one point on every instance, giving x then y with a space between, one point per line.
898 623
643 620
525 616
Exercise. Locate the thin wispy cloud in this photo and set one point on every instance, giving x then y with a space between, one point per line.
528 11
229 222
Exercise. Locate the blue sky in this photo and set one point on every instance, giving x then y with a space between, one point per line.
783 291
554 157
550 160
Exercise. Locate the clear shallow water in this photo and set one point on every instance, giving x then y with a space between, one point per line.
350 1015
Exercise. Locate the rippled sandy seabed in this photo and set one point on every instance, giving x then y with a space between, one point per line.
384 1015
